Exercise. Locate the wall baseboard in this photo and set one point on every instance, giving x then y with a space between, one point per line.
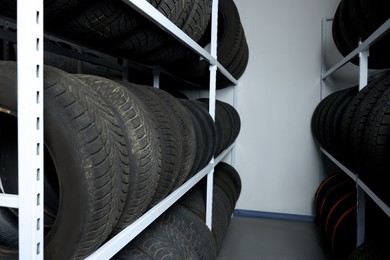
272 215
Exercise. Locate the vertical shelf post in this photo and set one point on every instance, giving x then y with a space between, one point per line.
30 127
361 195
212 89
156 77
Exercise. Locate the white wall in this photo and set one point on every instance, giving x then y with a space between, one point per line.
275 154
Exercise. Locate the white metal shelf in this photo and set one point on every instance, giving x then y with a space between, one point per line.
363 51
30 38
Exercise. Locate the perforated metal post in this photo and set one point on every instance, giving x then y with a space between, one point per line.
212 97
30 127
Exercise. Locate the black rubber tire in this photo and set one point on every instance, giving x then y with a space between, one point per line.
338 37
375 14
315 119
226 175
171 142
58 10
210 131
187 132
347 29
320 121
333 120
225 195
200 135
232 50
330 196
233 175
345 127
143 158
359 123
195 200
8 8
102 22
322 190
225 124
236 121
342 234
73 137
221 218
195 19
236 67
176 234
375 145
9 233
150 45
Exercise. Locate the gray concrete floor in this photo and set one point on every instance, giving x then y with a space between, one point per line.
267 239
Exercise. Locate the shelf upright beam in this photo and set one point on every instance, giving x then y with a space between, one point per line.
363 67
361 195
30 127
212 98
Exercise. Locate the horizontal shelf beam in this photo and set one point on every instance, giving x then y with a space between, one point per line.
9 201
381 31
359 182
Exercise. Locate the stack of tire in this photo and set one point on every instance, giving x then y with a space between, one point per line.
112 151
115 28
181 232
357 20
353 126
335 206
232 50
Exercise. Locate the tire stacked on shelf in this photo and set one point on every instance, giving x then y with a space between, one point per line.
227 121
335 204
226 191
232 50
88 161
177 234
357 20
326 119
362 139
181 232
112 151
116 28
205 134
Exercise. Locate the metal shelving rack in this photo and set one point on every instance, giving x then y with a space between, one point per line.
30 38
363 51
